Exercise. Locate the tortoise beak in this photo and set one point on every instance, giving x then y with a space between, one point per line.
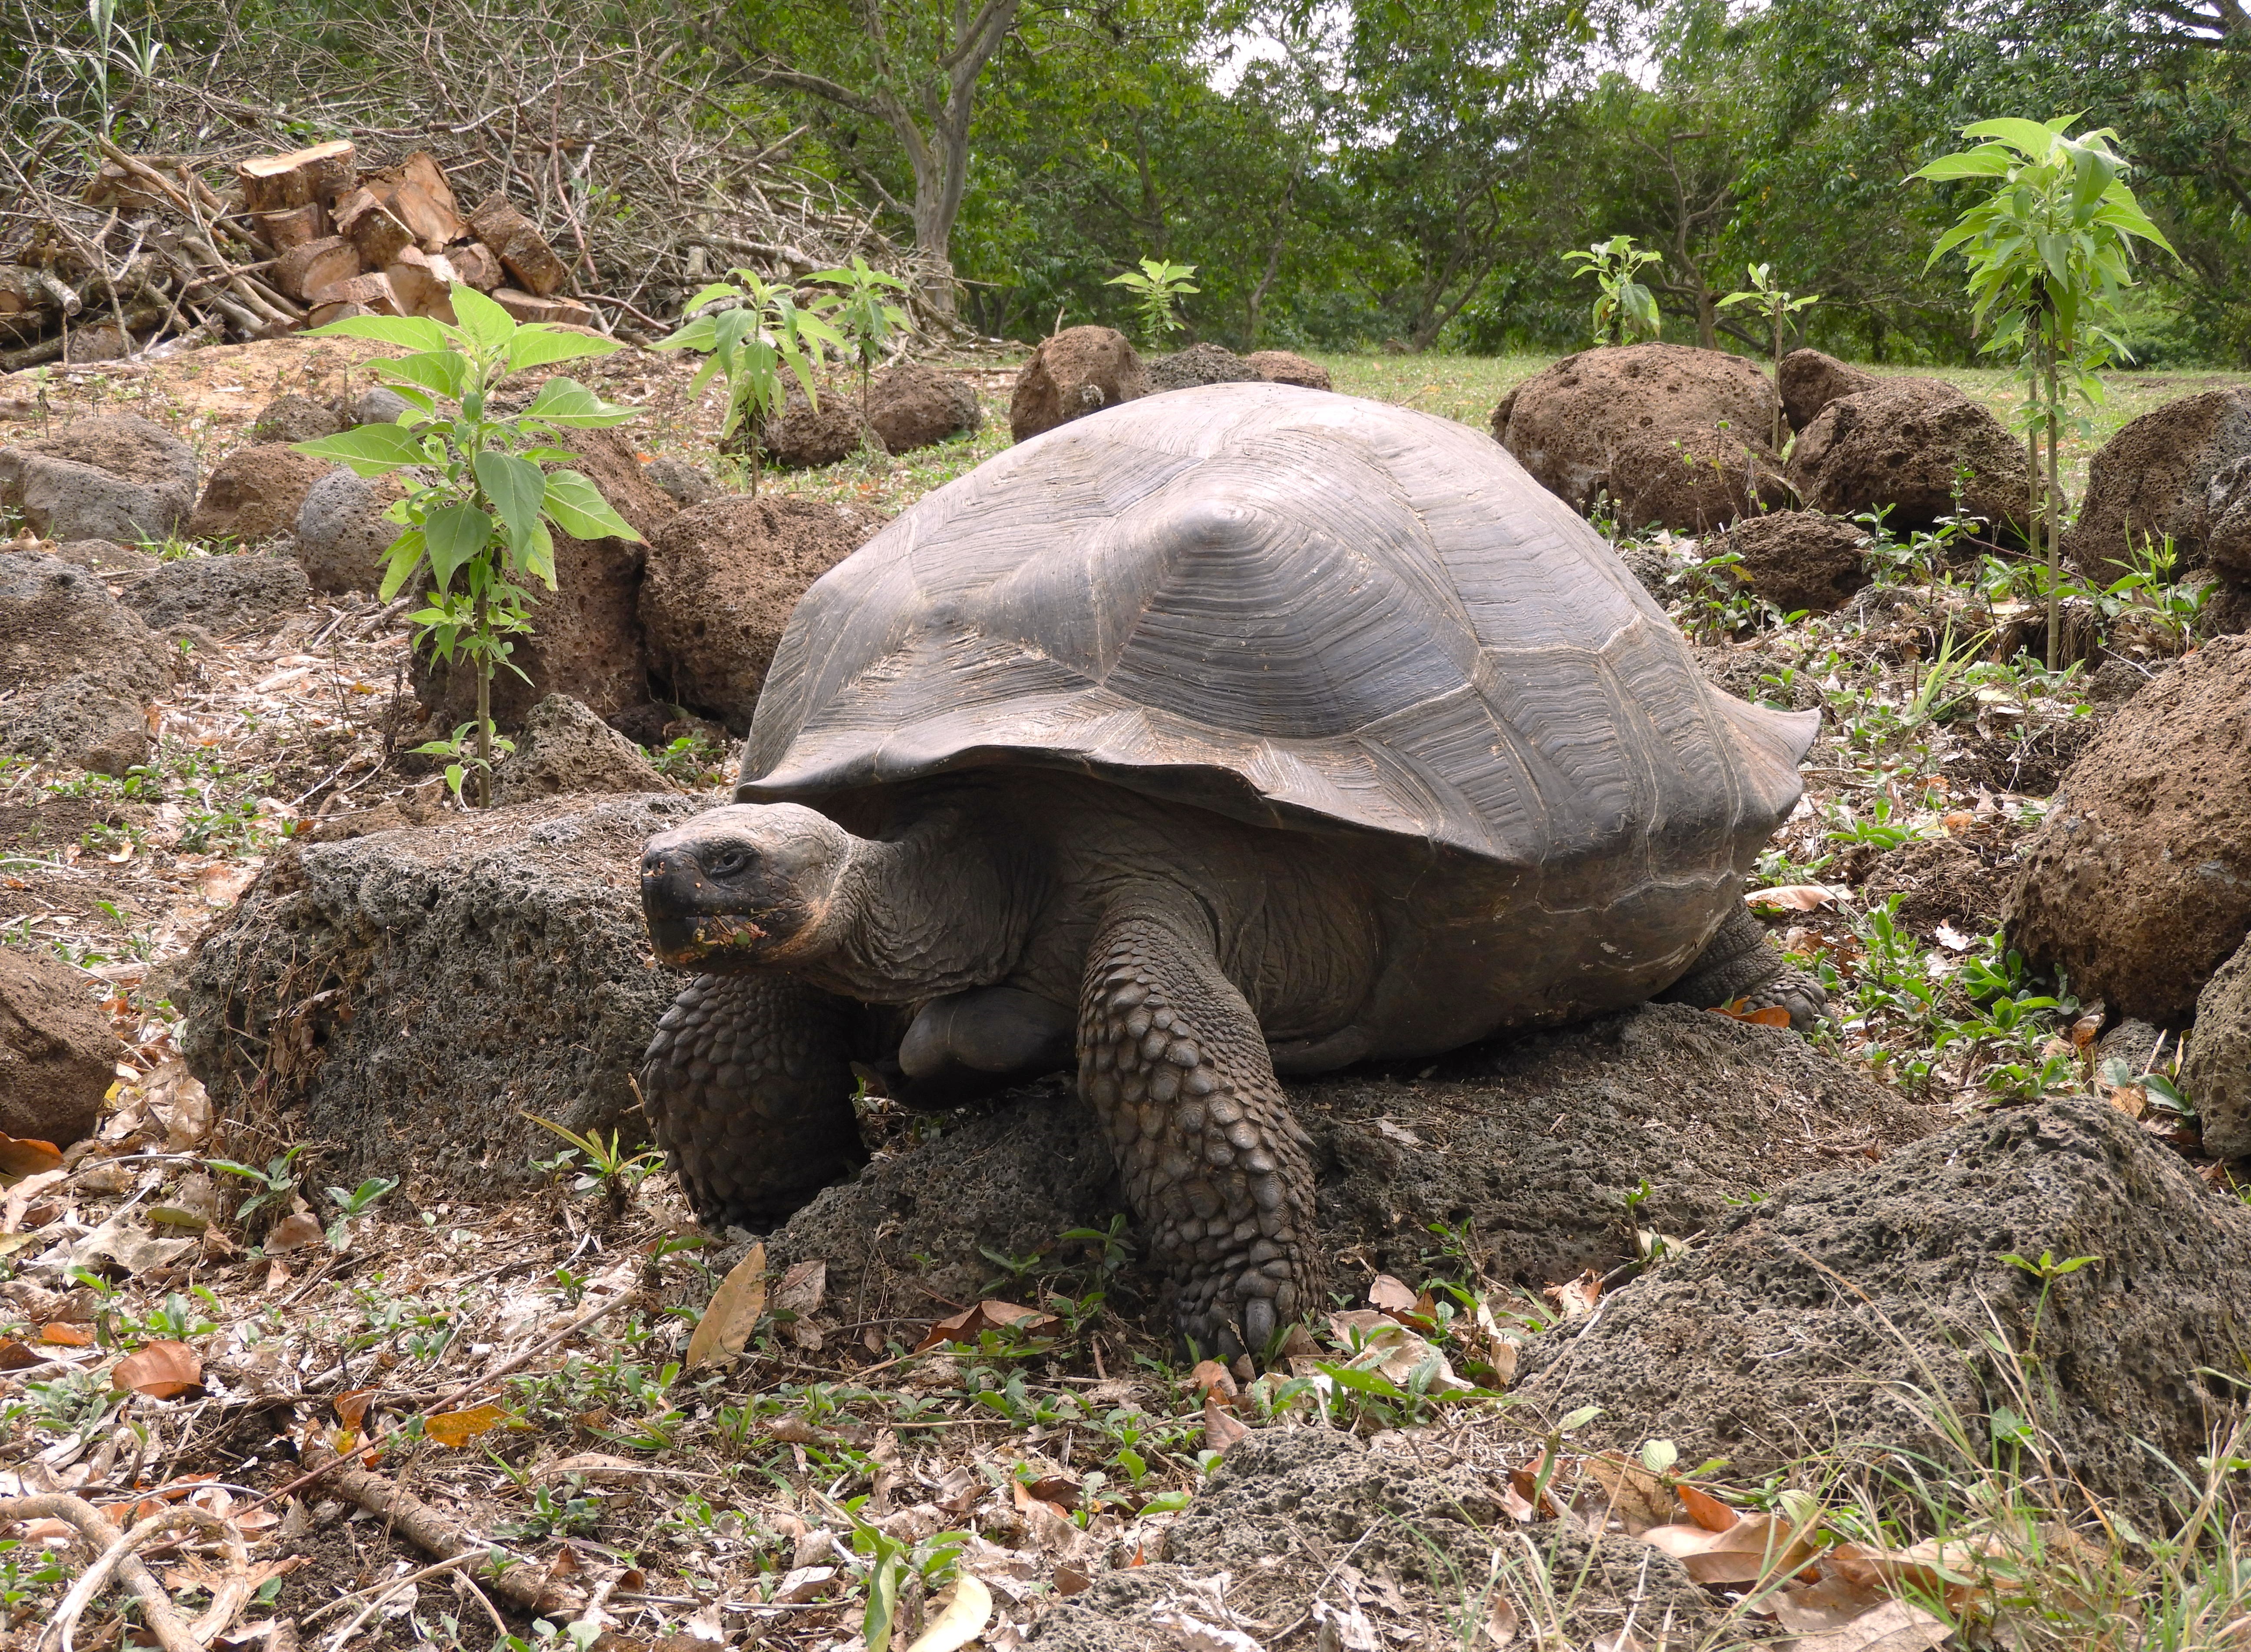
690 920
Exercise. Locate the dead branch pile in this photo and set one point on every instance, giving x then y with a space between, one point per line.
155 193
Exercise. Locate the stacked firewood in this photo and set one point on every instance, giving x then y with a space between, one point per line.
393 242
149 250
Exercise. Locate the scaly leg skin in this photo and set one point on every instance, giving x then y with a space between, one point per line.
1219 1175
1741 963
748 1087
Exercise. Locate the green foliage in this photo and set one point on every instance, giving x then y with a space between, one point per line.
1624 307
866 318
481 510
757 338
1157 286
1770 302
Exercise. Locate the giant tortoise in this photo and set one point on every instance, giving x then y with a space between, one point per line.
1239 731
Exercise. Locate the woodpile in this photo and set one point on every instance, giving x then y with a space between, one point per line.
150 250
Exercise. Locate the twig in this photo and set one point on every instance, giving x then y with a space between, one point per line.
116 1553
395 1583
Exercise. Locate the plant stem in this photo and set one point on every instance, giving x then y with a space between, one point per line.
2054 504
484 713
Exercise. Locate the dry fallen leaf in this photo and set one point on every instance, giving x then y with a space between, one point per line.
733 1313
1773 1015
796 1298
1790 897
1210 1377
1576 1299
1894 1626
1617 1485
28 1157
962 1612
1706 1510
1222 1429
161 1370
294 1232
1828 1604
967 1325
1756 1548
457 1428
1388 1295
68 1336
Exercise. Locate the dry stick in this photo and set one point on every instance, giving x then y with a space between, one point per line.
164 1621
381 1590
227 1600
462 1393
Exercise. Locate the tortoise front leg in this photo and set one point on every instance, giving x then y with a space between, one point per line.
1216 1169
1740 962
748 1088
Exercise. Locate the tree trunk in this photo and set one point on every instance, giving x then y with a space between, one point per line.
484 713
2054 511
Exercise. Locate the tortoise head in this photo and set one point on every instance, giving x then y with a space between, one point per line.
747 885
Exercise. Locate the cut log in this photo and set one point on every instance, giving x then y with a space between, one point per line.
276 183
303 271
435 227
373 229
321 314
297 226
20 291
372 292
422 170
422 283
478 265
531 307
511 235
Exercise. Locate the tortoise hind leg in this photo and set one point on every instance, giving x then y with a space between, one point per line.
1741 963
1217 1171
748 1087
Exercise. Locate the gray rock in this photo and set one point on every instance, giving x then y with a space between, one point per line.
377 404
76 667
295 418
341 532
411 994
1199 364
1288 1502
1529 1147
1814 1319
118 478
567 750
2216 1073
217 594
104 556
58 1056
688 484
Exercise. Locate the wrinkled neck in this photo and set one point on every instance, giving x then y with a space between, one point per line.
936 909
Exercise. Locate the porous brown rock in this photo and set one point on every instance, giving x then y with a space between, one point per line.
2216 1071
684 483
58 1056
2227 522
804 436
77 667
1692 481
1286 367
255 493
1567 424
341 532
586 637
2151 481
1938 881
1205 363
1079 370
1910 444
116 477
2138 881
410 995
566 750
1529 1145
1798 559
219 596
721 580
912 405
295 418
103 557
1809 381
1849 1309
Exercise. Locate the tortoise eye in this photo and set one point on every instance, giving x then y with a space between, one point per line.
726 863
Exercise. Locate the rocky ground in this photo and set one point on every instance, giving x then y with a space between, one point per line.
1670 1331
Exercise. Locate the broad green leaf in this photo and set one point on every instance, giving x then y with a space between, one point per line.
490 326
372 450
564 401
539 345
446 372
2029 138
576 506
1991 161
717 289
517 489
454 534
539 555
416 332
699 334
401 560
